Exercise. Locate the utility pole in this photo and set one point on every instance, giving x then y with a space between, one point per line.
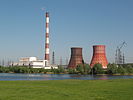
123 58
3 62
66 61
0 62
60 60
53 58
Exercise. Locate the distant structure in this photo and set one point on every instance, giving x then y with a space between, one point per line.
123 58
119 58
47 40
33 61
76 57
66 61
53 58
99 56
3 62
60 61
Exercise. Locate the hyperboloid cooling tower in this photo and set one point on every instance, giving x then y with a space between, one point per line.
99 56
76 57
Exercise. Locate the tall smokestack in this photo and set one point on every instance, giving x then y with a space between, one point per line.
47 40
99 56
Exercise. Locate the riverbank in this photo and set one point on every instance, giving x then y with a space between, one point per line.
112 69
120 89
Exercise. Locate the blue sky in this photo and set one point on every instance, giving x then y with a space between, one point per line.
73 23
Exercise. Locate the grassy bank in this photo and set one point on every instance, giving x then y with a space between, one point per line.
67 90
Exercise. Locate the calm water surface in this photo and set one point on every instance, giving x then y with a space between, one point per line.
14 76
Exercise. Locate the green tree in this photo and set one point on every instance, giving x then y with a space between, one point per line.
61 69
112 68
121 70
129 69
80 68
4 70
87 69
42 70
34 70
97 69
72 71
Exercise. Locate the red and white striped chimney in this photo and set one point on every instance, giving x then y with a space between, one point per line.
47 40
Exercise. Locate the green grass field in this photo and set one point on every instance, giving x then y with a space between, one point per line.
67 90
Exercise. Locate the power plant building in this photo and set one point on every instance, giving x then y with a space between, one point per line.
99 54
33 61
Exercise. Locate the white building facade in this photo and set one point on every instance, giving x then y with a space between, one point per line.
34 63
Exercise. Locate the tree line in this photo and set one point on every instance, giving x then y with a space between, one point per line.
80 69
111 69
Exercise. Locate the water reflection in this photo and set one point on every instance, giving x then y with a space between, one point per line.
14 76
101 77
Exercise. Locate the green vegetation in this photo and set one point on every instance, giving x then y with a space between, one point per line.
97 69
119 69
22 69
81 69
67 90
112 69
59 70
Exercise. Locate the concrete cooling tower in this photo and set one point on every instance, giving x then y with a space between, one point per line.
76 57
99 56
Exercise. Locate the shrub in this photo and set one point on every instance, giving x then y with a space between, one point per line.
129 69
80 68
97 69
87 69
72 71
121 70
112 69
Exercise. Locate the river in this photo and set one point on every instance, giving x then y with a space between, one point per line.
14 76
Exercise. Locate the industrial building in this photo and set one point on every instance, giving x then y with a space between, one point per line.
33 61
99 55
